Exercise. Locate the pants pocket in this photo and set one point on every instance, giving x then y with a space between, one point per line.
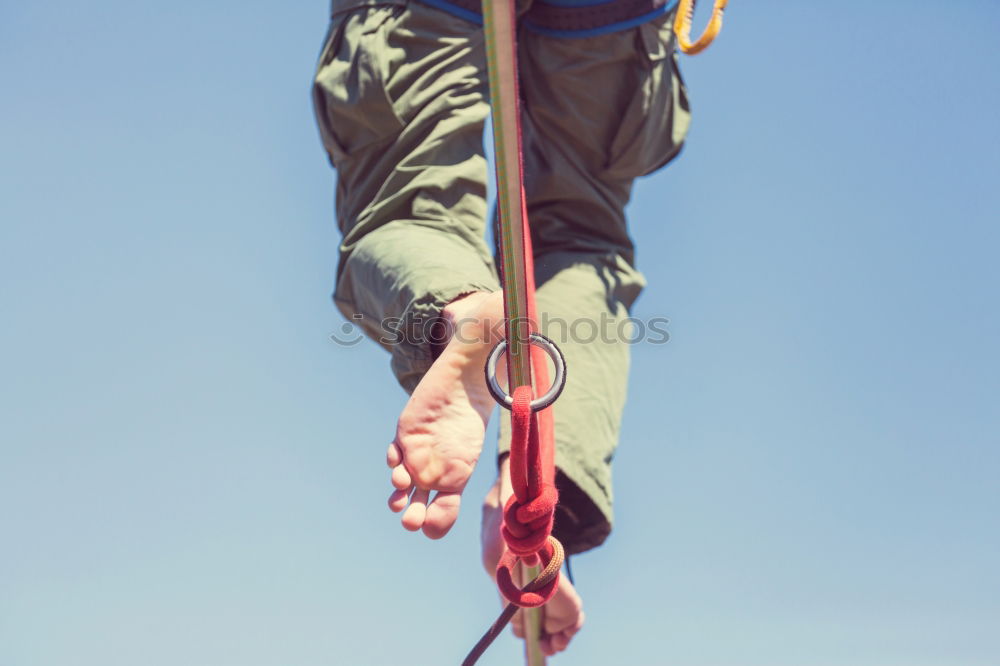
350 101
656 119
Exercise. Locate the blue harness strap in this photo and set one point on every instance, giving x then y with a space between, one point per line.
570 18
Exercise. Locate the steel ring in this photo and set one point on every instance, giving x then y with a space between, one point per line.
558 383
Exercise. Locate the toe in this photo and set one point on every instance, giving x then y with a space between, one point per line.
401 478
559 641
441 514
393 456
398 499
555 624
413 517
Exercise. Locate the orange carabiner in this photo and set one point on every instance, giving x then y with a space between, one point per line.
682 26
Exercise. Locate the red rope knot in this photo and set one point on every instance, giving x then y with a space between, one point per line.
530 512
526 526
537 592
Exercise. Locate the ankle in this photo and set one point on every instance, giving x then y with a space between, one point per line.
476 317
465 305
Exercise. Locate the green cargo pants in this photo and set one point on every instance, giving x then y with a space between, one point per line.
401 101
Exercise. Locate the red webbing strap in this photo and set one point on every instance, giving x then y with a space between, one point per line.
530 512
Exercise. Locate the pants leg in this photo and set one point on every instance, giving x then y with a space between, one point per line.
400 101
598 113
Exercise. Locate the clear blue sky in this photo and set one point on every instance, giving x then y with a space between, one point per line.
191 474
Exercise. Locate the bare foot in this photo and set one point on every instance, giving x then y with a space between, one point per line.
564 612
440 431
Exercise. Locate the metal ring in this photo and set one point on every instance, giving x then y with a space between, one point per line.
503 398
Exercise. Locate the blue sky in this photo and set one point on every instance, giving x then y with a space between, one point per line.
192 474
